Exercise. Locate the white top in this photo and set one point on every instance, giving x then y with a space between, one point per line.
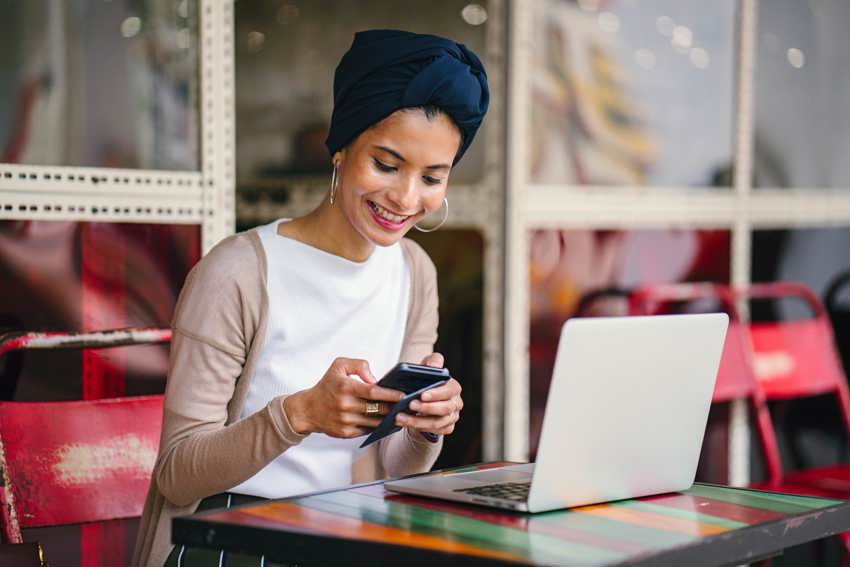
321 307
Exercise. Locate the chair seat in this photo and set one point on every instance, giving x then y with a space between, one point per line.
21 554
834 479
800 489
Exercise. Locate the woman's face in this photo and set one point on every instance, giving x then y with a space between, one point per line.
395 173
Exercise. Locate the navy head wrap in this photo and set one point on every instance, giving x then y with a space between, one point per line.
385 70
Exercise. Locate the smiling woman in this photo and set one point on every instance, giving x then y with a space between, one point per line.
280 331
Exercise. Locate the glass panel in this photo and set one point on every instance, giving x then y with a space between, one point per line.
802 128
71 276
459 258
286 53
104 84
632 93
810 431
590 272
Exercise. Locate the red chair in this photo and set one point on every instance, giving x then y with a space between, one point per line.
73 462
798 359
735 376
738 375
122 432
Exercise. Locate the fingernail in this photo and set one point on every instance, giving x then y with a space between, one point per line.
426 397
415 405
401 418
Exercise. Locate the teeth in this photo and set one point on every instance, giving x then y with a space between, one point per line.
383 213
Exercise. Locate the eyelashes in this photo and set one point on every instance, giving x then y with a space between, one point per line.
386 168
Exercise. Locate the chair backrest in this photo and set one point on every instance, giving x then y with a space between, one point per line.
835 300
794 358
736 378
797 358
72 462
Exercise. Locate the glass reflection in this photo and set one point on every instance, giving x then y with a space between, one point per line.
631 93
286 53
100 84
458 255
810 431
802 128
590 272
72 276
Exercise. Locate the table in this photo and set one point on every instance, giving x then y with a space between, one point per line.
705 525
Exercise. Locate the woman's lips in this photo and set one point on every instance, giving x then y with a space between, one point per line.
382 220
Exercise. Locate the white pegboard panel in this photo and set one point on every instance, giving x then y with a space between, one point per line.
217 125
113 208
88 181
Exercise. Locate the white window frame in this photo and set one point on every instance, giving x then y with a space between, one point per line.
741 210
204 198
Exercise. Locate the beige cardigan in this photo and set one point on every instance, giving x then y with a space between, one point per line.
219 324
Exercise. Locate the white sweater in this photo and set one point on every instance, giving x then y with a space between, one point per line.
321 307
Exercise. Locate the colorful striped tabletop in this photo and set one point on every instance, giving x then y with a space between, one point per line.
705 525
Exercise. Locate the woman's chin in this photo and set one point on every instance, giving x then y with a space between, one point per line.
384 234
385 239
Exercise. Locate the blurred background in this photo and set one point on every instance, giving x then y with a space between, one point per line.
629 143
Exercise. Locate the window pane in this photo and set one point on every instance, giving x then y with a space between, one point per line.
286 53
101 84
802 128
632 93
458 255
72 276
810 431
589 273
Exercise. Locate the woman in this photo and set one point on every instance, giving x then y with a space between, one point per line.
280 331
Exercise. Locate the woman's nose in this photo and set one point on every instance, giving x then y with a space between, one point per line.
405 196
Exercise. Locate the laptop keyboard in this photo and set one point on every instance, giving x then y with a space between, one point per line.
517 491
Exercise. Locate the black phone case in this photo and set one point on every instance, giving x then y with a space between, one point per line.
410 378
387 425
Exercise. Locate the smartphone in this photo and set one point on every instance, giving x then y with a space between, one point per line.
412 379
409 377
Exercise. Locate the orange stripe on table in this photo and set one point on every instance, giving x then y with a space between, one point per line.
340 526
651 520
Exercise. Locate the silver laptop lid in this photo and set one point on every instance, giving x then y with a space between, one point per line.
627 408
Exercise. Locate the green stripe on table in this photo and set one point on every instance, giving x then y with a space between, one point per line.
534 546
773 501
690 515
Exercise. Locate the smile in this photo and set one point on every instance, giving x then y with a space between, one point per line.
386 214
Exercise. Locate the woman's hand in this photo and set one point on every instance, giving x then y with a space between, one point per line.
336 405
438 409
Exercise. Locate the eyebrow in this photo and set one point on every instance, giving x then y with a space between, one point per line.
400 157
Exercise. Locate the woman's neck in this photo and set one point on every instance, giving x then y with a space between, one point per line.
327 229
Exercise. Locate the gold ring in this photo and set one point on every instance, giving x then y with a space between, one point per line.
373 408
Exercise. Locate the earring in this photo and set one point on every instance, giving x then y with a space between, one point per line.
442 222
334 179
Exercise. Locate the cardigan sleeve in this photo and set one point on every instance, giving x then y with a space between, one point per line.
215 323
407 451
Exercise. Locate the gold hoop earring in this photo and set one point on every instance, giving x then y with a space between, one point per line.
442 222
334 179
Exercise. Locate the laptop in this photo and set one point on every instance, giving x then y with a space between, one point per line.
626 414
